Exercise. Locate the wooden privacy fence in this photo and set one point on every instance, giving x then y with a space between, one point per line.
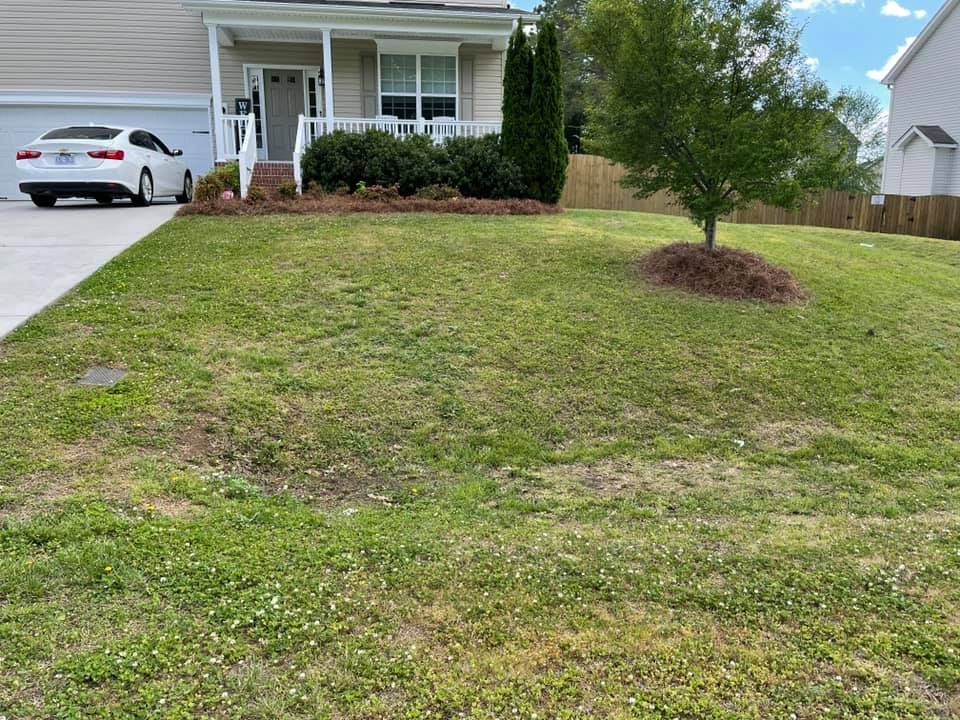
593 182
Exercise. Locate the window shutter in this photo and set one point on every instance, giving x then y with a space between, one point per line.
466 88
368 85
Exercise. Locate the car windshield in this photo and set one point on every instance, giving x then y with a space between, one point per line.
82 133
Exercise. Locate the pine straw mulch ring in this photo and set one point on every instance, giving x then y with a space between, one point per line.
724 272
332 204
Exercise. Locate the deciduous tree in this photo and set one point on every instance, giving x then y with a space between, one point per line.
710 100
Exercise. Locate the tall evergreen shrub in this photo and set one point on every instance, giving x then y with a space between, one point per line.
548 162
516 138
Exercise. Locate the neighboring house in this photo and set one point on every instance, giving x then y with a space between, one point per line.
186 70
924 127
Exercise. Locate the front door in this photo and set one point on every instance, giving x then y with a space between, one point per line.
284 106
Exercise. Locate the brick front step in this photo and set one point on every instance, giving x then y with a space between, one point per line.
269 175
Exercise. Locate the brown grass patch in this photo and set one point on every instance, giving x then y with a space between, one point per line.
198 444
725 272
334 204
612 478
792 435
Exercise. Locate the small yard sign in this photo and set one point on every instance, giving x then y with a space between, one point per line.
877 199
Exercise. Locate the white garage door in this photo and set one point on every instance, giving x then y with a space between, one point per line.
181 121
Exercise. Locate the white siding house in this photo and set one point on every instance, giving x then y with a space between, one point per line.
923 157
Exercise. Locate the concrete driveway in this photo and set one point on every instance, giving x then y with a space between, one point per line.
45 252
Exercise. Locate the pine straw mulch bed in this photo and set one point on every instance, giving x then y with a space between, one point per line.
723 273
333 204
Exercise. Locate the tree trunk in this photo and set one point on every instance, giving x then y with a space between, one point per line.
710 233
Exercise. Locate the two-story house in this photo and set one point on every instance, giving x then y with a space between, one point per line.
198 72
924 125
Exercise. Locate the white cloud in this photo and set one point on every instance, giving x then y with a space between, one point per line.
880 74
812 63
814 5
892 8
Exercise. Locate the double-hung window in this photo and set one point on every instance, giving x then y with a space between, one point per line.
398 86
438 86
415 86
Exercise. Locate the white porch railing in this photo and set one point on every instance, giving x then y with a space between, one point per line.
232 135
311 128
248 153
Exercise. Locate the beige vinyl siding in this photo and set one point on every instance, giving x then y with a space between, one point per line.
148 46
487 81
347 94
927 92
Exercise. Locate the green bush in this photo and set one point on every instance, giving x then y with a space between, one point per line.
438 192
255 194
229 176
212 185
208 188
475 166
380 193
287 190
478 168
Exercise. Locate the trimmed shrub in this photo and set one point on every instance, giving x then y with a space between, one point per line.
475 166
377 193
479 169
287 190
422 162
229 175
342 158
212 185
438 192
208 188
255 194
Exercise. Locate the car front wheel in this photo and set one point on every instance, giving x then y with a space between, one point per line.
44 201
144 196
187 194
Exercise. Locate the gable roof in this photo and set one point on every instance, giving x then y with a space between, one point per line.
936 21
933 135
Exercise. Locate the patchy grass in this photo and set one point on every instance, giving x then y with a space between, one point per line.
435 466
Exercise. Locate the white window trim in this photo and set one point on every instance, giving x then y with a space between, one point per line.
258 69
400 47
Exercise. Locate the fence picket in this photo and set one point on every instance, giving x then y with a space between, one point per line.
594 182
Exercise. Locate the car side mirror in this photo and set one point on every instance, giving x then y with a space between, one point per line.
177 153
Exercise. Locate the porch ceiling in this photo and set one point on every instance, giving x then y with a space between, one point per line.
305 21
267 34
229 35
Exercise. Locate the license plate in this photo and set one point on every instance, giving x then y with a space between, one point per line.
66 160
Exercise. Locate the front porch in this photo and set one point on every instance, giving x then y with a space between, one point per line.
287 76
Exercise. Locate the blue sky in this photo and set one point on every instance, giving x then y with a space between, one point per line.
852 42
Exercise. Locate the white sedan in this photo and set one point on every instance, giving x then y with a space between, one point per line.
103 163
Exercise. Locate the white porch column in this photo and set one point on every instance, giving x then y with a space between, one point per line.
217 90
327 81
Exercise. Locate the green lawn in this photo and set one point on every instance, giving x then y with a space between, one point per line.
466 467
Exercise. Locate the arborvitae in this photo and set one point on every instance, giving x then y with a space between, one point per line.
517 88
549 160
